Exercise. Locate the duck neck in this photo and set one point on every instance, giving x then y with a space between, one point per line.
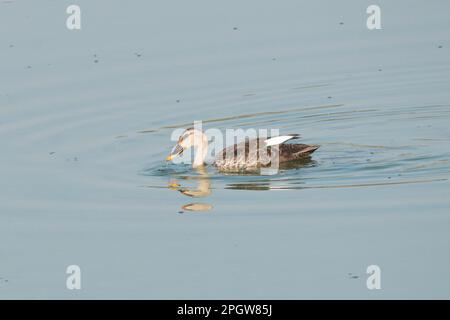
201 152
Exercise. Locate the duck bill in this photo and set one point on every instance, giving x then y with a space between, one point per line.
176 151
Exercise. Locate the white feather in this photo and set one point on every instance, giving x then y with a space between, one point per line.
277 140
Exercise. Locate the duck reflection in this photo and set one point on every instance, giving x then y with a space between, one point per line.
203 189
203 182
197 207
265 184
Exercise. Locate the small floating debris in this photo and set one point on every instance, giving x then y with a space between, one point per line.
137 54
52 153
341 23
329 97
440 46
352 276
28 67
235 28
178 100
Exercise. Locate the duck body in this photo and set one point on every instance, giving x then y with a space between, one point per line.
248 155
254 154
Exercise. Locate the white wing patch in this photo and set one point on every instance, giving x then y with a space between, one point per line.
278 140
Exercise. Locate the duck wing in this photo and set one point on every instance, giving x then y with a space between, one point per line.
247 154
241 155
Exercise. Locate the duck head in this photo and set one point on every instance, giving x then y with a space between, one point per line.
190 138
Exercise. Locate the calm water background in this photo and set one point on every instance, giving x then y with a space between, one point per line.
85 123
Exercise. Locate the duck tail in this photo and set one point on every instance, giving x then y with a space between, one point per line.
308 150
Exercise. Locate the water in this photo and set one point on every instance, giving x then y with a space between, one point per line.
85 124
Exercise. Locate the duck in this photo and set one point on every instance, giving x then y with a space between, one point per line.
247 155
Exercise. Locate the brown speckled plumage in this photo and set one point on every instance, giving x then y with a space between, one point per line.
258 155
